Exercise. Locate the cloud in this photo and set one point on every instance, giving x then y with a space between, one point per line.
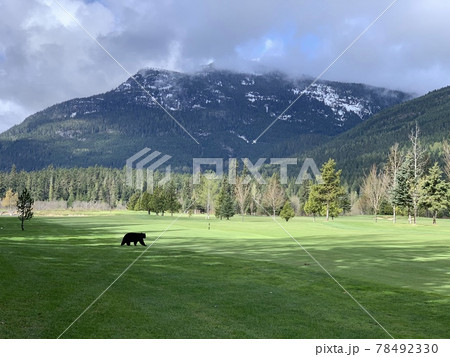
46 58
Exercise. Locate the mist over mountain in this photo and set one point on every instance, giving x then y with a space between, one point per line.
224 111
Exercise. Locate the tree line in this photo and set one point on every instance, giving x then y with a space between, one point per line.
406 184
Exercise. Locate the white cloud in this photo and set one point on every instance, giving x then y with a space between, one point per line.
46 58
10 114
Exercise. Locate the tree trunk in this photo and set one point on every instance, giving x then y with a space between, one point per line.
328 212
409 218
394 219
22 219
434 217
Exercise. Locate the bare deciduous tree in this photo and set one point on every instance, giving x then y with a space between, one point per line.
392 167
10 201
274 196
418 157
242 192
374 189
295 203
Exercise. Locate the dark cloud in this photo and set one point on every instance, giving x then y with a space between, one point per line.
46 58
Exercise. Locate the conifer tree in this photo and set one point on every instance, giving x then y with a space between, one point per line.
303 193
313 205
170 198
146 202
287 212
158 200
434 192
225 202
330 190
25 207
133 200
401 194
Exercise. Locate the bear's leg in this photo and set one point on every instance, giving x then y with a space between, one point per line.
135 242
142 241
123 242
128 243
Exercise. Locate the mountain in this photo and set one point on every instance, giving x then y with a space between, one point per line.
368 143
224 111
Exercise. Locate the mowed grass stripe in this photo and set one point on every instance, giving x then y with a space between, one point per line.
238 279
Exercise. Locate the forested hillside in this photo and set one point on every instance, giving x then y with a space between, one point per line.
368 143
224 112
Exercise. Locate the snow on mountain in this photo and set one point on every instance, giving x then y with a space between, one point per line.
340 105
225 111
214 89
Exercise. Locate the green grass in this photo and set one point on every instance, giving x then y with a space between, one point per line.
237 280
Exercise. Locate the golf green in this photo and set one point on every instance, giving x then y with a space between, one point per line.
239 279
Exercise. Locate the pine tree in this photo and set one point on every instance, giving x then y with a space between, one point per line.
401 195
313 205
171 203
158 200
25 207
133 200
334 210
303 193
146 202
344 202
330 190
434 192
287 212
225 202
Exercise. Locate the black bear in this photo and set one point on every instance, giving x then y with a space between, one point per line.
133 237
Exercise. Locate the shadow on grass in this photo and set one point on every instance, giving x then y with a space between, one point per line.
210 287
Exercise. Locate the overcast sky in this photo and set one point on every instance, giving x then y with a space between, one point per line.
46 58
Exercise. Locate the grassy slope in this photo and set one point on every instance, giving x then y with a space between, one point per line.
239 279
